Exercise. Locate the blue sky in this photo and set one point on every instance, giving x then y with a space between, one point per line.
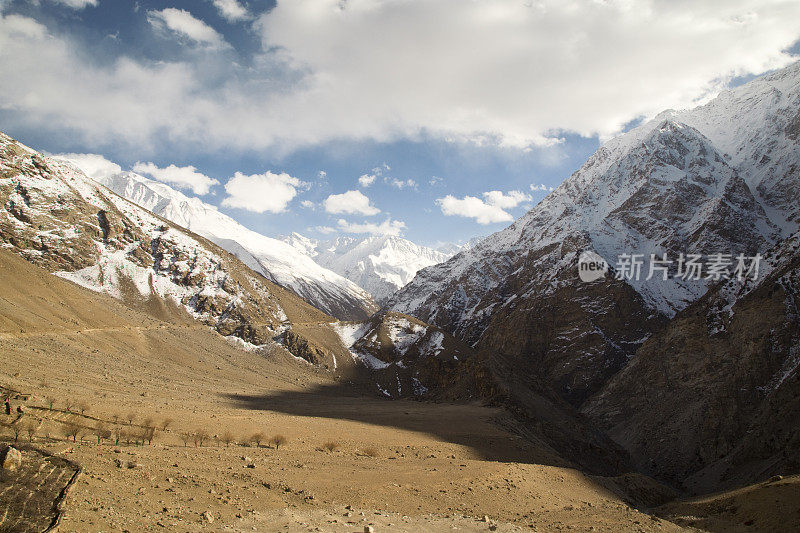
456 108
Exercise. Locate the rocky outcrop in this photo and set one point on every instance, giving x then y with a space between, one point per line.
307 349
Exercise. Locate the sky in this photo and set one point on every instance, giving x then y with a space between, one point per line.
437 120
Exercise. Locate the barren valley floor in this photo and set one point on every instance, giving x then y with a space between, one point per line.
396 465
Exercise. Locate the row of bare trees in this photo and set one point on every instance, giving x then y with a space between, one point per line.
125 429
200 437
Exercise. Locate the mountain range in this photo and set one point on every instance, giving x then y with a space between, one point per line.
379 264
59 219
693 380
723 178
273 258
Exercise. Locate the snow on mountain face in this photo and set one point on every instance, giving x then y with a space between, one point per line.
380 264
276 260
54 216
722 178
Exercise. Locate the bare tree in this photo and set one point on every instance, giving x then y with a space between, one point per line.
130 417
68 404
16 428
186 436
101 431
117 433
257 438
165 424
200 437
147 434
331 446
31 427
227 438
71 429
51 402
278 441
83 407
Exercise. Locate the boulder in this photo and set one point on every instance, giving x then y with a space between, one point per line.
11 459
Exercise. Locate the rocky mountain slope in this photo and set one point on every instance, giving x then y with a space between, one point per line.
56 217
276 260
714 398
380 264
721 178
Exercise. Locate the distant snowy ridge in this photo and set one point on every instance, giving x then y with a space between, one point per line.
380 264
276 260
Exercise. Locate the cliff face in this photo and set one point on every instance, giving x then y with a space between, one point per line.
714 398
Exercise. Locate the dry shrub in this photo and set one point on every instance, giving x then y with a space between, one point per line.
370 452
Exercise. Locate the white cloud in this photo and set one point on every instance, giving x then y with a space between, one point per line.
325 230
308 204
402 184
268 192
231 10
435 180
186 25
77 4
182 177
472 207
540 187
387 227
500 70
506 200
350 202
365 180
93 165
489 210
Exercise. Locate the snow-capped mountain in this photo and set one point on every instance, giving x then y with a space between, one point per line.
378 264
275 259
56 217
721 178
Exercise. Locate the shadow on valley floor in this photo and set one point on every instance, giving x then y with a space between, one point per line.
492 433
